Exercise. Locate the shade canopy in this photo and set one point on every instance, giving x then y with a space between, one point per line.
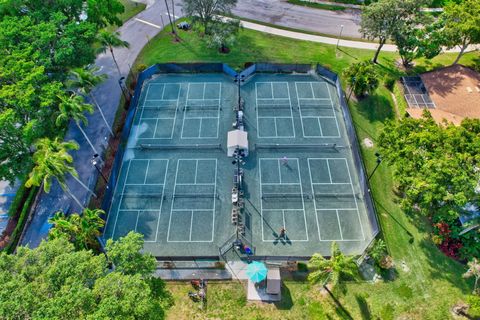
256 271
237 139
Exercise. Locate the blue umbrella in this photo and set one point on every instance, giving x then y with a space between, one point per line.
256 271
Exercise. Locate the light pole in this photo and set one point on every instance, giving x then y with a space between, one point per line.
120 81
379 160
339 36
96 160
239 79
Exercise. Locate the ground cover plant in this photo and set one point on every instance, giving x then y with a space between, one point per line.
424 283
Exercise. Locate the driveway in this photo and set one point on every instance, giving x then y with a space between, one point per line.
284 14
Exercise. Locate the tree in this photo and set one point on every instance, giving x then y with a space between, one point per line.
174 31
435 166
81 230
461 24
329 271
54 281
362 78
74 108
223 34
126 257
110 40
51 160
418 37
382 19
473 271
15 155
84 80
205 11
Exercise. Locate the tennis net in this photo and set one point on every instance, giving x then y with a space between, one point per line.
150 146
195 195
274 146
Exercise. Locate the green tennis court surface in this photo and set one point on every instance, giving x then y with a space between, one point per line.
176 179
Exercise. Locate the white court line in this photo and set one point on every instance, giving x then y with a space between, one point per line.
329 172
121 198
355 198
112 202
146 172
283 210
161 203
333 108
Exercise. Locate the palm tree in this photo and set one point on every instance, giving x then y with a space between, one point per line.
52 160
74 108
81 230
473 271
84 80
328 271
110 40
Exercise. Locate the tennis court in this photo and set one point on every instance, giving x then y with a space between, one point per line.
175 183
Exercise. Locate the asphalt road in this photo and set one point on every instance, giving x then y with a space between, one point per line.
108 94
282 13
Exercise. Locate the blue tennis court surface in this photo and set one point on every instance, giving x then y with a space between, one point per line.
176 181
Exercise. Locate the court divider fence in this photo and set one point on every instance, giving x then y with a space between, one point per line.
224 68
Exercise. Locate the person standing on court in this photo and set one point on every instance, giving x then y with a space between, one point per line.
282 233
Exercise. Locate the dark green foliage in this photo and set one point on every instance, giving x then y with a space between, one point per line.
223 34
22 217
39 42
205 12
54 281
436 168
461 25
80 229
362 78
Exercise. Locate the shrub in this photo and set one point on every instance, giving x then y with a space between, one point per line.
362 78
474 306
22 219
389 82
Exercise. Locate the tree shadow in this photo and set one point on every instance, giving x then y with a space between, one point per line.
287 302
339 308
445 268
380 206
376 108
364 307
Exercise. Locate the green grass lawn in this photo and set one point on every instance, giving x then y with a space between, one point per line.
427 283
316 5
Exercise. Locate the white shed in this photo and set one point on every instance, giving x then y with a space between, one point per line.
237 139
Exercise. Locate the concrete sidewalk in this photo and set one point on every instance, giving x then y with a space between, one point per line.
332 41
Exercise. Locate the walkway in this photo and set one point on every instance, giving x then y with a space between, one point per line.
108 94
